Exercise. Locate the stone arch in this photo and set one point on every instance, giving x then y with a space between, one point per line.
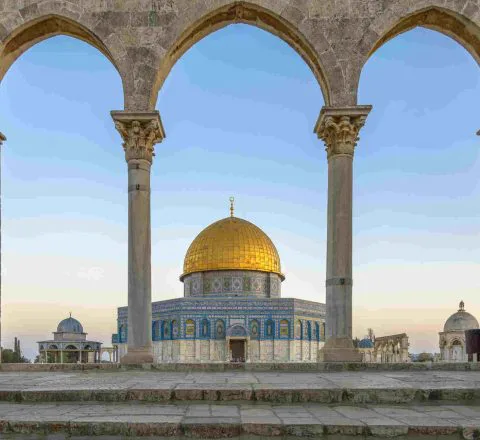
456 342
278 21
453 23
41 28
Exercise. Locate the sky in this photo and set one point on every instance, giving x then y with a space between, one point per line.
239 110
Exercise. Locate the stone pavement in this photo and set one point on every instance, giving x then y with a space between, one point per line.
358 387
203 420
240 404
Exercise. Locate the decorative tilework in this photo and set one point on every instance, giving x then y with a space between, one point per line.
235 283
219 329
253 313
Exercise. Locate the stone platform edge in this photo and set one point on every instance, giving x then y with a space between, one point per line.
250 367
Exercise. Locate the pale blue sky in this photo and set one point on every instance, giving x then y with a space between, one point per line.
239 110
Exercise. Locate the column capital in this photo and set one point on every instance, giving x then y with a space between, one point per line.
338 127
2 139
140 132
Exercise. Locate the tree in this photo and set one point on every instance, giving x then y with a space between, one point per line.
425 357
15 355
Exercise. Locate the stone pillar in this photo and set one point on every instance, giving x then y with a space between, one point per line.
140 132
338 127
61 356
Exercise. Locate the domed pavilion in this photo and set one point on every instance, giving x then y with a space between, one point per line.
452 339
232 308
69 345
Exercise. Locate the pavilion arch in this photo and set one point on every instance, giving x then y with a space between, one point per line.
36 30
246 13
446 21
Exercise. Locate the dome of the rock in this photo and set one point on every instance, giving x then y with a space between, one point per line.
232 244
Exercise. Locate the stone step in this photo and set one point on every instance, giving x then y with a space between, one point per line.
240 420
286 387
252 367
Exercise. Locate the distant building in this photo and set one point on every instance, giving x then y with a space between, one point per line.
385 349
69 345
365 346
452 339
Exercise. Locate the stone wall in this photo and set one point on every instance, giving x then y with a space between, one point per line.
144 38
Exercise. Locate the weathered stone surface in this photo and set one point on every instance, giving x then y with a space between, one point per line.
335 37
354 388
230 421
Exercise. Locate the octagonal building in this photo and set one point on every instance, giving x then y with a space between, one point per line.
232 308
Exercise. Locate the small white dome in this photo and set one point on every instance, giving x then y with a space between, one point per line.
460 321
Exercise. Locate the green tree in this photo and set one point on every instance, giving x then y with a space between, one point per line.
425 357
15 355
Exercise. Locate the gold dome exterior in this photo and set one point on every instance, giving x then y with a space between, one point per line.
232 244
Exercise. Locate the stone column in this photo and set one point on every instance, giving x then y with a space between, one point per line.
61 356
338 127
140 132
2 140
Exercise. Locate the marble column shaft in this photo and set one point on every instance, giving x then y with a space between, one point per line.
339 128
140 132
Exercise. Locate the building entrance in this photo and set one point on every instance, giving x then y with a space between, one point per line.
237 347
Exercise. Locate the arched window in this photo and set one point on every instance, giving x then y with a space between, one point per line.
156 335
166 330
317 331
254 329
284 328
175 329
122 333
298 329
219 329
309 330
205 328
269 329
190 328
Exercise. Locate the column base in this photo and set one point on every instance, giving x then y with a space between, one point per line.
339 350
137 356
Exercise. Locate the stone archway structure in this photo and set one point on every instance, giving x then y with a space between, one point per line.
144 39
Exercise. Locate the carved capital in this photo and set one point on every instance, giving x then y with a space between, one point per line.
140 132
338 127
2 139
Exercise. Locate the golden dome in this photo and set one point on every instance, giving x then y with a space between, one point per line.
231 244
